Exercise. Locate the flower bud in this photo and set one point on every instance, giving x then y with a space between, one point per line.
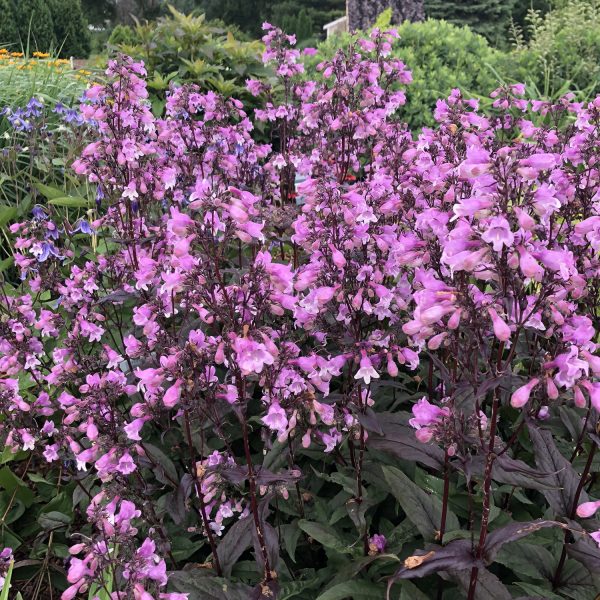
521 396
587 509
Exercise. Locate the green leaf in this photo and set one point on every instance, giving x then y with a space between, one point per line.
354 590
102 592
182 547
423 509
292 588
48 191
290 532
325 535
537 591
5 264
13 485
527 559
7 213
71 201
54 520
411 592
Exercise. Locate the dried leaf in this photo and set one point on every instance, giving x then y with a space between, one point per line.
454 556
412 562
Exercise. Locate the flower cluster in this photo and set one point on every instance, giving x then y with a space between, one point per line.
216 304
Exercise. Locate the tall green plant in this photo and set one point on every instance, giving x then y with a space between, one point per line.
563 52
9 31
70 28
490 18
35 24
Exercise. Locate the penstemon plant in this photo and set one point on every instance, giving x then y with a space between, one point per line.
228 353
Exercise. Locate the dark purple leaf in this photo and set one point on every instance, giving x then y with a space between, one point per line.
565 479
199 584
265 591
271 540
516 472
399 440
423 509
455 556
235 542
510 471
238 474
513 532
585 550
369 421
176 504
489 587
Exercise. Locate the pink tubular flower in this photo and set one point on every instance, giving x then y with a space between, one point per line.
366 371
173 394
251 356
276 419
588 509
520 397
498 234
426 417
501 329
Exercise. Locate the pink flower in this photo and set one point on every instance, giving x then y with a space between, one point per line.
501 329
426 414
377 544
275 419
173 394
588 509
498 234
521 395
251 356
366 371
126 464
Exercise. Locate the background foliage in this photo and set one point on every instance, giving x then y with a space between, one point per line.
179 47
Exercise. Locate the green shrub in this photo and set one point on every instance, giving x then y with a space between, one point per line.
182 47
70 28
9 32
441 57
490 18
35 24
563 51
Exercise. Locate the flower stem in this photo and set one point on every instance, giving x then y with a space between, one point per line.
487 483
580 486
203 513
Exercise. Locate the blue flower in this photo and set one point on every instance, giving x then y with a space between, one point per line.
34 108
39 213
84 227
49 249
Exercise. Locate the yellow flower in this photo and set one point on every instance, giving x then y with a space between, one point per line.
16 54
41 54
